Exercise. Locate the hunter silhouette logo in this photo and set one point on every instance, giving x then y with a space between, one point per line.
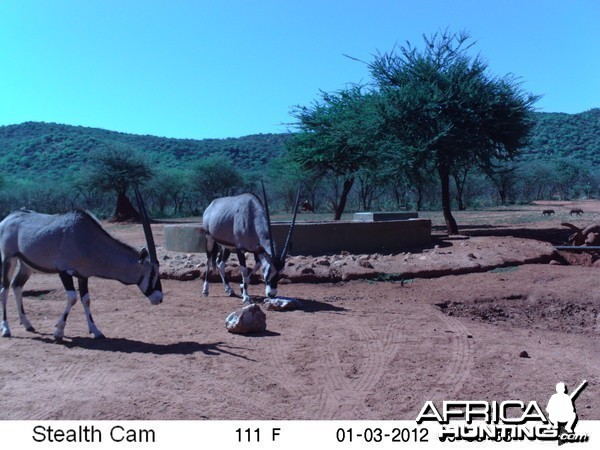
508 420
561 409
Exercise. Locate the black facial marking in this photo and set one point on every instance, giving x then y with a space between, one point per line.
157 286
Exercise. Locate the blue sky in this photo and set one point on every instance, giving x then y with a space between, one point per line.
214 69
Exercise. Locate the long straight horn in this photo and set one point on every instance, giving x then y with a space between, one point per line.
146 225
266 205
288 241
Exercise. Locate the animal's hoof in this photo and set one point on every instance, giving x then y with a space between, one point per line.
58 339
100 336
205 293
232 294
30 329
4 328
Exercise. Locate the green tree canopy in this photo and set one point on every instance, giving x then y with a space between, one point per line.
216 176
336 137
116 169
444 108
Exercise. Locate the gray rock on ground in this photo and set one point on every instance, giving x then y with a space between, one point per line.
282 304
249 319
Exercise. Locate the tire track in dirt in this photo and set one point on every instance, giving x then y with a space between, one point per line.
345 395
449 382
47 409
376 348
287 376
462 361
58 392
74 383
239 404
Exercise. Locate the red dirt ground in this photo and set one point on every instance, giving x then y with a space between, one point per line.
365 344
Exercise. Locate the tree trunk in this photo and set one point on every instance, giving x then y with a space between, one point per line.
339 210
502 193
460 179
125 211
446 200
419 197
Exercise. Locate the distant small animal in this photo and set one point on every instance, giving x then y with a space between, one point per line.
548 212
306 206
577 211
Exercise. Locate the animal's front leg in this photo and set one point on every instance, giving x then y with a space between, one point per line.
85 300
221 262
4 324
245 280
67 281
257 266
6 273
245 277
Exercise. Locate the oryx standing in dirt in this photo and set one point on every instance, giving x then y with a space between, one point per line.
242 224
73 245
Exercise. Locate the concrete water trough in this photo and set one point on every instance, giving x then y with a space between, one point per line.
318 238
383 216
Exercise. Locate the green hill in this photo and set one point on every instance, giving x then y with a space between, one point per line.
560 135
42 163
34 149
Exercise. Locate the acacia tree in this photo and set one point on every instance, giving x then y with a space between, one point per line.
116 170
443 105
216 176
336 138
170 187
503 177
285 178
371 186
460 174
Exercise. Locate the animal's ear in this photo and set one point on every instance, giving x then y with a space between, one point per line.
143 255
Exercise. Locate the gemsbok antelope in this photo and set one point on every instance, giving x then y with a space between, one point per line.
242 224
73 245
